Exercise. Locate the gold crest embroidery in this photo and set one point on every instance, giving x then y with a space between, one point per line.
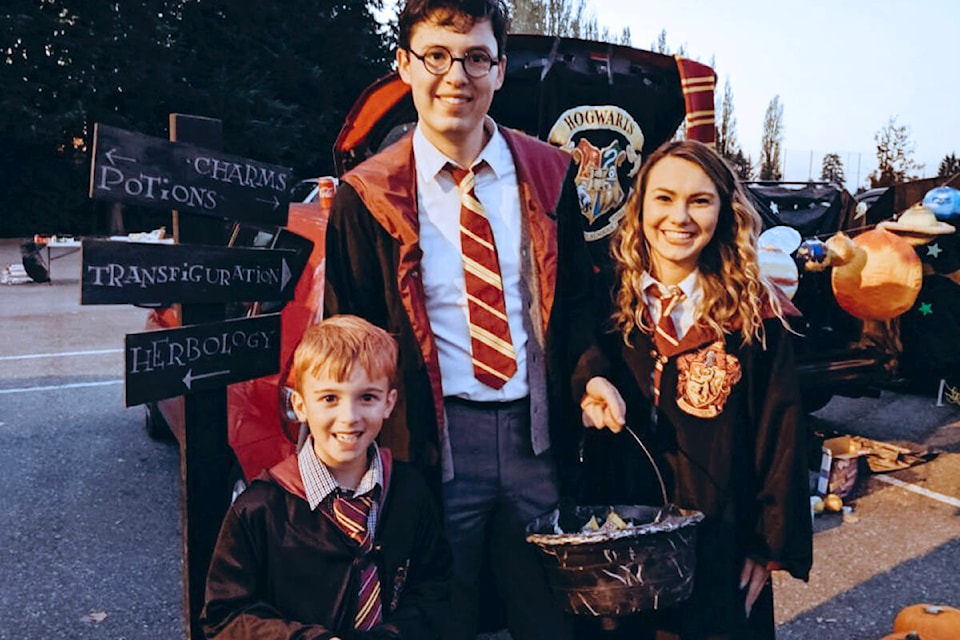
705 380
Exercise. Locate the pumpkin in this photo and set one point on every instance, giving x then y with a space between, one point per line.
930 621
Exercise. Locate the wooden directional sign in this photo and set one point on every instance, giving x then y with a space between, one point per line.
139 273
174 362
137 169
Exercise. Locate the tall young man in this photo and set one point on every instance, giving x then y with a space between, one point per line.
448 239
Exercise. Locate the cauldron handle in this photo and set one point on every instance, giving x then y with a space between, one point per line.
656 469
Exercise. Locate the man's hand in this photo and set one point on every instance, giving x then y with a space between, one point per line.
753 577
602 406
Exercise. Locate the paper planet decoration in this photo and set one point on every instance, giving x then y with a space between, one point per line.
944 202
840 249
780 269
918 225
813 255
781 237
881 280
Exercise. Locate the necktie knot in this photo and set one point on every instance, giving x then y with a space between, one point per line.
352 515
668 300
457 173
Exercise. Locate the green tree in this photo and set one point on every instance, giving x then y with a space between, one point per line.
727 144
281 88
772 141
949 166
831 169
566 18
661 46
895 162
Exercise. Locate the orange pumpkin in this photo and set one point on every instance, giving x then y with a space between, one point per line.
930 621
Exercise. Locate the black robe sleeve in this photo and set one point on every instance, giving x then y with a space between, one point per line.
235 608
354 279
783 527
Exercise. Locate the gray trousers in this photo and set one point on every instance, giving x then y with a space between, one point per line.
498 487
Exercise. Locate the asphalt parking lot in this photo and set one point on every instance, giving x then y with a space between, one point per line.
84 481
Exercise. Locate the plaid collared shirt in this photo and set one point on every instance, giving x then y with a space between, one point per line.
320 484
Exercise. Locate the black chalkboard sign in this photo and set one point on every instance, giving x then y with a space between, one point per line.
116 272
136 169
174 362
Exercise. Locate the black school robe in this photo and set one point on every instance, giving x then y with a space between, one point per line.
736 452
280 570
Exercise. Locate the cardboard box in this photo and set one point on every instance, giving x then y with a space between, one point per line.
838 466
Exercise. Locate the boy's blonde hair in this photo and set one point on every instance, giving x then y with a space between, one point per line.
334 346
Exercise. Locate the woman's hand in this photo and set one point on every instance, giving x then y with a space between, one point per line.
753 577
602 406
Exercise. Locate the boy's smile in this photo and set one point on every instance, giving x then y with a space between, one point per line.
344 418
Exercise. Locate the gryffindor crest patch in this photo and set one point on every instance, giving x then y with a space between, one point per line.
705 380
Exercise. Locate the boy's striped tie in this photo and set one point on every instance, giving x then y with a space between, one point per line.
351 515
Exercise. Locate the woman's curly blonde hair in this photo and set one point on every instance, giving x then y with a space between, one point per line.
734 293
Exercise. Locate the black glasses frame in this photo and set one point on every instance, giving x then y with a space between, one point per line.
494 61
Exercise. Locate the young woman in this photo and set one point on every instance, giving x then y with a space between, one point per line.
701 352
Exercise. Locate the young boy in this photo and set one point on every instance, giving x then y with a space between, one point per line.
336 541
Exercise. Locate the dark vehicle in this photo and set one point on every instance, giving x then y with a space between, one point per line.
833 355
609 106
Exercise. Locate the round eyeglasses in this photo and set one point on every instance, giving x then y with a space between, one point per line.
438 60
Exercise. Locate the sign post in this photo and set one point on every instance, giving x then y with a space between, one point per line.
205 455
189 175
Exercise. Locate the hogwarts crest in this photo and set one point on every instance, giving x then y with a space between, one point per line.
605 142
705 379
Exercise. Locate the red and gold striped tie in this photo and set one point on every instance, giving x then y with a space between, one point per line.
494 361
665 333
351 515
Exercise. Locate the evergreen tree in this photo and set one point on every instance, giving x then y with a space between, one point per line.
949 166
895 162
772 141
832 169
727 144
565 18
742 165
281 87
660 46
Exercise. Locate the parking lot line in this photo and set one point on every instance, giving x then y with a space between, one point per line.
29 356
56 387
953 502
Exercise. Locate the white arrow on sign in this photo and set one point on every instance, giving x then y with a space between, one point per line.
113 157
284 273
189 378
274 201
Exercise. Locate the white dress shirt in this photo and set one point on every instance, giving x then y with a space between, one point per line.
438 206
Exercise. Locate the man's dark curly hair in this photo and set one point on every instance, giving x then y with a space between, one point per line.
460 15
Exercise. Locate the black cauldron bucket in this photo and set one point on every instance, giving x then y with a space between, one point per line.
647 565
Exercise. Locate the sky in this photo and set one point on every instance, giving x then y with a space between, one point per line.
842 69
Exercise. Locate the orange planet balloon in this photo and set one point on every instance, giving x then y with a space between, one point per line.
882 279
